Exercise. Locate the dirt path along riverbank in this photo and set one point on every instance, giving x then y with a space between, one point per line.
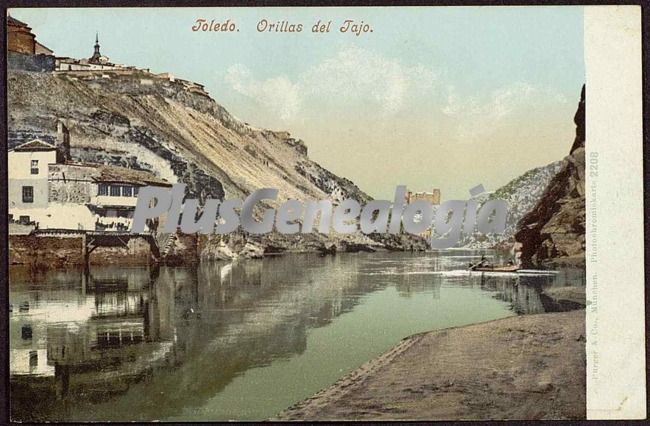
523 367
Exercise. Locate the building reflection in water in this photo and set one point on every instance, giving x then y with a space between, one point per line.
78 340
525 291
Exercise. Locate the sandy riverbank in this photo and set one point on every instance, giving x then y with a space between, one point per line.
523 367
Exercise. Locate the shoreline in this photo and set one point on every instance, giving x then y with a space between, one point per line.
522 367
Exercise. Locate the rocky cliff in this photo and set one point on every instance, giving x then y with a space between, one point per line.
554 230
146 122
522 194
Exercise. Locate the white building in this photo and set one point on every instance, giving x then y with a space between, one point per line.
28 166
47 194
96 62
108 193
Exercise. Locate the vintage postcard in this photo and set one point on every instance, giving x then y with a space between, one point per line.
325 213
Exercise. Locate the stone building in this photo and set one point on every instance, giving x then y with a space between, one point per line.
20 39
433 196
107 193
23 51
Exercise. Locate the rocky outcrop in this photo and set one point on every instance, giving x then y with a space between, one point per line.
522 194
554 231
339 188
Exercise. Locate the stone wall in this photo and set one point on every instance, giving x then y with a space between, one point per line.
57 252
71 184
45 252
26 62
138 252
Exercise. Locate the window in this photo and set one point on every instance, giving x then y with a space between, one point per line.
26 332
34 167
115 191
136 189
33 359
127 191
28 194
103 189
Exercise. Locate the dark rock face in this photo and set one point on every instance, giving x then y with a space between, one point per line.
579 119
340 188
554 230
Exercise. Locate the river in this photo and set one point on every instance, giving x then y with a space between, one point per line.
238 341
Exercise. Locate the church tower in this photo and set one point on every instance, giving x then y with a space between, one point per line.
96 55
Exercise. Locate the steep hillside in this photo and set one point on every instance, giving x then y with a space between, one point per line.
138 120
149 123
554 230
521 194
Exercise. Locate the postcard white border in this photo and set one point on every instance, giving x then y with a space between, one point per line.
615 318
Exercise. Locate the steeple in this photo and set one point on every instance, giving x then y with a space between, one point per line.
96 54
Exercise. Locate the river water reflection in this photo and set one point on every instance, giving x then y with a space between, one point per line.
235 341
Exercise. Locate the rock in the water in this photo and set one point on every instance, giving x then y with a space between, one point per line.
221 252
251 251
353 247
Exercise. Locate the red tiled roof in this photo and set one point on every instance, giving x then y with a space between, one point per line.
13 21
39 46
115 174
35 145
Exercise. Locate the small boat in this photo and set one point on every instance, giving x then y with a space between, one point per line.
503 268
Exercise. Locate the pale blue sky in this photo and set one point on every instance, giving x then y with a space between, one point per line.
445 97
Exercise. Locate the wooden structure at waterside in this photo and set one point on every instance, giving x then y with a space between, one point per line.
91 240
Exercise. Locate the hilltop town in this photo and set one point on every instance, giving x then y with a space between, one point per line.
26 53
